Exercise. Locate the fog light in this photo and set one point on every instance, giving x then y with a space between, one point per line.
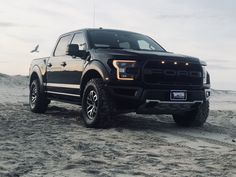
208 93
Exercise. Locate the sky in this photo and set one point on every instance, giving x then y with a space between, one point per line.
205 29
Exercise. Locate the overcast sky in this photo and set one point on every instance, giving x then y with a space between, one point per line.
202 28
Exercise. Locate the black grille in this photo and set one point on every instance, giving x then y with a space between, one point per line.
171 72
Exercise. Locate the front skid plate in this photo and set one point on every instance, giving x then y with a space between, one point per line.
152 107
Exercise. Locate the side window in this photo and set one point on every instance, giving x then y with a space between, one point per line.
79 39
144 45
62 45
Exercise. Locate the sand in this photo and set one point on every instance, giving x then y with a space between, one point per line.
57 144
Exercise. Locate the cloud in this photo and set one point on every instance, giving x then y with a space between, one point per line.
220 67
8 24
203 15
174 16
48 11
4 61
218 61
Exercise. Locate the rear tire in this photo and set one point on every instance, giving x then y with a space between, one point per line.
195 118
97 106
37 99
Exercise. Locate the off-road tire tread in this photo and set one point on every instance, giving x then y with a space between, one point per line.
195 118
42 102
106 107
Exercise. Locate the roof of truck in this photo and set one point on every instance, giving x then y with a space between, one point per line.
88 29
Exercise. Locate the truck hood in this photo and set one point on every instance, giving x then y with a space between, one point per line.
143 55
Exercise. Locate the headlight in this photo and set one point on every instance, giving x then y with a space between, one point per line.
204 74
123 67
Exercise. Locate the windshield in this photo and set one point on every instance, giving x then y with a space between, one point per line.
122 40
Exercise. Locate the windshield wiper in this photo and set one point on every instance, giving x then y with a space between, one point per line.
152 50
108 47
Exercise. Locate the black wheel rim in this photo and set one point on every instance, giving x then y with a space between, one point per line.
33 96
92 105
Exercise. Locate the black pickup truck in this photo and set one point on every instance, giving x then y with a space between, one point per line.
109 72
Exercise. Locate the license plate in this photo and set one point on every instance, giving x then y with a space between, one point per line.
178 95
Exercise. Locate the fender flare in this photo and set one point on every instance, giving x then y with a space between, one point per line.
36 70
98 67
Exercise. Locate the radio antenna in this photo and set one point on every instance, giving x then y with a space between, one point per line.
94 13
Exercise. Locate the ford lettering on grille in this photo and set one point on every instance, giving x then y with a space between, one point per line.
171 72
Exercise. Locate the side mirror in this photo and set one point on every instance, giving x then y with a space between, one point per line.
73 50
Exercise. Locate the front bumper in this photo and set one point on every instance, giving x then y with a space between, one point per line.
156 101
166 107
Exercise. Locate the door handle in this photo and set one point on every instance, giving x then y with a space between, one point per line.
63 64
49 64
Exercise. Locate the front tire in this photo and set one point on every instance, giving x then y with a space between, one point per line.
37 99
195 118
97 107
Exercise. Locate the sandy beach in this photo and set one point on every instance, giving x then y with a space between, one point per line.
57 143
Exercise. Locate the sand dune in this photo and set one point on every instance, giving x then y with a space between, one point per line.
57 144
